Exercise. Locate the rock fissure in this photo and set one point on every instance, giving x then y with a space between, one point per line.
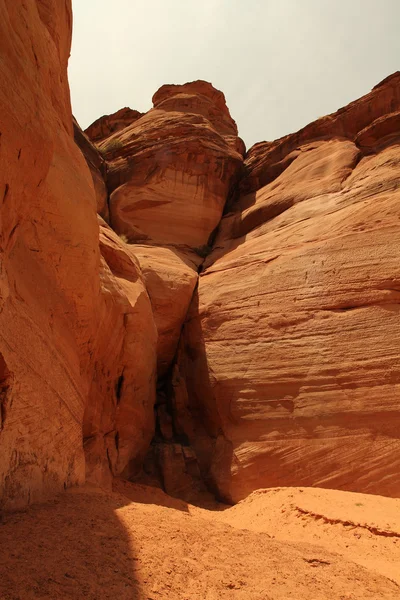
6 190
150 199
5 383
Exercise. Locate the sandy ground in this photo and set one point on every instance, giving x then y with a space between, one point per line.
137 543
363 528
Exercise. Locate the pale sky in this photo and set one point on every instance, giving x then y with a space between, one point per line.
280 63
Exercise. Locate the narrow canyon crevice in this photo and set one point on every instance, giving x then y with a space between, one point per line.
207 222
216 324
171 461
248 367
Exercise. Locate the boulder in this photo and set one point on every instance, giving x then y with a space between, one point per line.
171 171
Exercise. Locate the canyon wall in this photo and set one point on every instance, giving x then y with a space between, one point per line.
176 311
289 364
77 336
169 174
286 367
48 258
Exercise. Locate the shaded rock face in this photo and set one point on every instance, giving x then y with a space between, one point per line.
118 422
72 323
98 169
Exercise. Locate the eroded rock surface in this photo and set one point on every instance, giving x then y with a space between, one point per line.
273 383
98 169
170 276
169 175
119 417
171 171
292 342
277 367
77 337
48 258
108 124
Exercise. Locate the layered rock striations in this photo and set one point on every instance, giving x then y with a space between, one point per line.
48 259
170 171
73 361
276 366
169 174
290 352
108 124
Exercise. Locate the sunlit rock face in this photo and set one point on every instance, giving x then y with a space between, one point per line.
49 284
108 124
290 363
171 171
276 366
118 422
169 175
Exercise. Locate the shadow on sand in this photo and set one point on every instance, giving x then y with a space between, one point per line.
73 547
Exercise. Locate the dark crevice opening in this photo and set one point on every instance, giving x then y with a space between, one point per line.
118 387
5 381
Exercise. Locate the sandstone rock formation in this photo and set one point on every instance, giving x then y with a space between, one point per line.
291 345
276 366
170 277
105 126
171 171
48 258
98 169
72 323
119 418
169 175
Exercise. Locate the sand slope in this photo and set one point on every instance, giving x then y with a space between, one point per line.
95 545
363 528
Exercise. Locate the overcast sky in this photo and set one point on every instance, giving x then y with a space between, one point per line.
280 63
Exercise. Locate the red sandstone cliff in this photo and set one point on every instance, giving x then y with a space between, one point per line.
276 366
77 341
169 174
289 362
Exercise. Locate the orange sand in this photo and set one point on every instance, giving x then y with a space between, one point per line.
138 543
